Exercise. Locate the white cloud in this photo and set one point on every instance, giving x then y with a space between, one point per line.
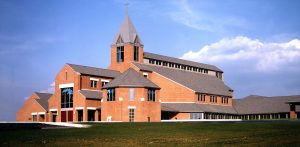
265 56
50 89
195 18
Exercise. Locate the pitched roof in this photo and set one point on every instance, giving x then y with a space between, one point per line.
89 94
254 104
193 107
43 99
127 32
88 70
181 61
131 78
198 82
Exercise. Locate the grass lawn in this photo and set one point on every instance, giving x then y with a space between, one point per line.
160 134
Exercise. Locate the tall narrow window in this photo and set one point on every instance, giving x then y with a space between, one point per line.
93 83
120 54
131 92
66 75
34 118
136 53
151 95
67 97
131 115
201 97
111 94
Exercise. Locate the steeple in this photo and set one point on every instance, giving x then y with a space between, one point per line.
126 47
127 33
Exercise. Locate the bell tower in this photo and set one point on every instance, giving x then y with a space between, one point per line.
126 47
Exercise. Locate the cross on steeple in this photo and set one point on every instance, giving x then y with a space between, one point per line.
126 7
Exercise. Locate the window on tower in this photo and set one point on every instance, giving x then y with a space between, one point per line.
120 54
136 53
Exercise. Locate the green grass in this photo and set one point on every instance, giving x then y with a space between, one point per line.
160 134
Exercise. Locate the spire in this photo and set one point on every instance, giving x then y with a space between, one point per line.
127 32
126 5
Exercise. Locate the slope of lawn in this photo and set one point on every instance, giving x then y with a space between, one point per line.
159 134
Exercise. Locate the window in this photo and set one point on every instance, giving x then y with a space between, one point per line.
34 117
194 68
219 75
171 65
131 115
201 97
205 71
145 75
225 100
213 99
93 83
151 95
165 64
66 75
151 61
196 116
136 53
120 54
183 67
67 97
111 94
158 62
131 92
104 83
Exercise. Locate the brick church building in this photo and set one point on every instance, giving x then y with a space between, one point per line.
140 86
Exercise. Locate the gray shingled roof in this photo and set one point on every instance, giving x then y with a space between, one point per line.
260 104
94 71
131 78
198 82
43 99
180 61
193 107
89 94
127 32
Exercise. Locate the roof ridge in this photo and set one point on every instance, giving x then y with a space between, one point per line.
130 78
42 92
91 67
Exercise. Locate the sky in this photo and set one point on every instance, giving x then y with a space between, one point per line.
256 43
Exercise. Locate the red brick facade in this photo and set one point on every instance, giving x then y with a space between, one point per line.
87 109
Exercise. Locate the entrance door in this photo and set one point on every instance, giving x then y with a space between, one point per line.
91 115
63 116
80 115
53 118
66 116
99 115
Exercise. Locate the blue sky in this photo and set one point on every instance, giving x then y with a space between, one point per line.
256 43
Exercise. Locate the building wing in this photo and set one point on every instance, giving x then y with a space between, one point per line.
193 108
254 104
